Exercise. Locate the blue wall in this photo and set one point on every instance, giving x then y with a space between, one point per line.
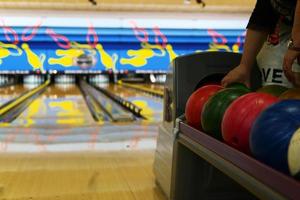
139 49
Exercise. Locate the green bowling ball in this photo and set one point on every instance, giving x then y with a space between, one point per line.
275 90
214 109
238 86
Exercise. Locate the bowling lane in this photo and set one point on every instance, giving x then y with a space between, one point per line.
116 112
102 161
151 106
58 106
59 118
10 92
159 87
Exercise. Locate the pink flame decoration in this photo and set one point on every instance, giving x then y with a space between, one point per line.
9 31
94 137
61 40
31 31
159 35
140 33
92 37
239 39
58 133
217 37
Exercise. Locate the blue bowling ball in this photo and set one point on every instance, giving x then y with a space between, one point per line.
272 131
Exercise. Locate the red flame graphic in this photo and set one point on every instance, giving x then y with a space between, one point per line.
92 37
239 41
140 33
61 40
217 37
160 36
30 31
8 32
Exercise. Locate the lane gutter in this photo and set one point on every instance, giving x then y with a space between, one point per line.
12 109
121 101
94 107
117 112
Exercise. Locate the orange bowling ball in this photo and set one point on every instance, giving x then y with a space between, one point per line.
195 103
275 90
293 93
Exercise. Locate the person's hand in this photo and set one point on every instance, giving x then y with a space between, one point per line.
297 79
239 74
289 58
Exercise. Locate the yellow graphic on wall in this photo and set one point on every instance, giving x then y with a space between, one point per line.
139 58
107 60
236 48
223 47
171 52
36 62
66 57
218 47
7 50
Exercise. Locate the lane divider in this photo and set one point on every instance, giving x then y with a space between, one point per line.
94 107
22 98
113 109
143 89
126 104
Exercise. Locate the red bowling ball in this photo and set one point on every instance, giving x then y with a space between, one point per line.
240 116
196 102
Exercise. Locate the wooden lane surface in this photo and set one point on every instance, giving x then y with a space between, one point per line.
10 92
86 175
94 174
151 106
140 87
159 87
58 106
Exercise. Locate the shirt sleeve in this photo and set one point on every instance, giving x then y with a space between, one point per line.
263 17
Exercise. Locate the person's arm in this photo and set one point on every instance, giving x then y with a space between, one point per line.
291 55
253 43
263 21
296 26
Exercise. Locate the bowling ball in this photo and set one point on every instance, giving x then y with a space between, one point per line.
275 90
214 109
293 155
238 86
196 102
293 93
272 131
240 116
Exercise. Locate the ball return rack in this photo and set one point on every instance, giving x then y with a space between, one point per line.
190 164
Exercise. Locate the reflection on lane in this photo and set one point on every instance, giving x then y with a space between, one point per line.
115 111
11 92
151 106
106 137
60 121
58 105
153 86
